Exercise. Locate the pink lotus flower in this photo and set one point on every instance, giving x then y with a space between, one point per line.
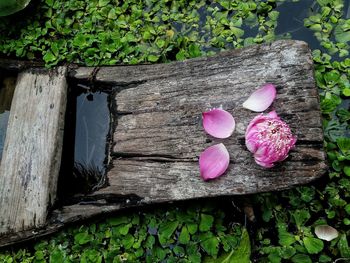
269 139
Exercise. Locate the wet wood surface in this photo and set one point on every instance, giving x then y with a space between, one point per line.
157 133
32 152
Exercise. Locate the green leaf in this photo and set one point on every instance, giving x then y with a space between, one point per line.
192 228
210 244
240 255
206 222
128 241
313 245
273 15
49 57
184 237
343 246
300 217
179 251
82 238
160 42
166 230
193 254
340 34
152 58
102 3
115 221
181 55
346 92
344 144
194 51
123 230
301 258
150 241
56 256
285 238
324 259
346 170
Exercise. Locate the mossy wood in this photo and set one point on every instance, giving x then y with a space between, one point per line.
158 134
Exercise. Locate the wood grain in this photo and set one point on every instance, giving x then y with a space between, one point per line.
159 135
32 153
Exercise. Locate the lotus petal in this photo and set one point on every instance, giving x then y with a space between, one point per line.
218 123
214 161
261 99
326 232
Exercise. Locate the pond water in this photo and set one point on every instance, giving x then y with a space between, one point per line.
85 140
7 88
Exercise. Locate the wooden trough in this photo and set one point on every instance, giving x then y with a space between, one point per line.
157 134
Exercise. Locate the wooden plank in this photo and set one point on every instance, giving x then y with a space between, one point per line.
159 136
32 153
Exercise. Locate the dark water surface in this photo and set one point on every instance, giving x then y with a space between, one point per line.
85 141
7 88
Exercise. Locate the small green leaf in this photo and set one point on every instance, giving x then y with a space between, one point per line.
344 144
128 241
206 222
115 221
346 92
285 238
301 258
123 230
49 57
346 170
184 237
313 245
102 3
152 58
301 216
166 231
82 238
343 246
241 254
210 244
194 50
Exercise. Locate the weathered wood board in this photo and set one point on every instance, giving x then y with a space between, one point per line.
32 152
158 134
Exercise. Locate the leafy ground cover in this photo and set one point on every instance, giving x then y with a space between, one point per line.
108 32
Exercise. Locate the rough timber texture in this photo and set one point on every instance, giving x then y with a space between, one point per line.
159 136
32 153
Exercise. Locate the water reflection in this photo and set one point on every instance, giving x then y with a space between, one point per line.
85 141
92 126
7 88
291 21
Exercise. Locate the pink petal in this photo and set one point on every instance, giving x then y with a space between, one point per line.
261 99
218 123
214 161
273 114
